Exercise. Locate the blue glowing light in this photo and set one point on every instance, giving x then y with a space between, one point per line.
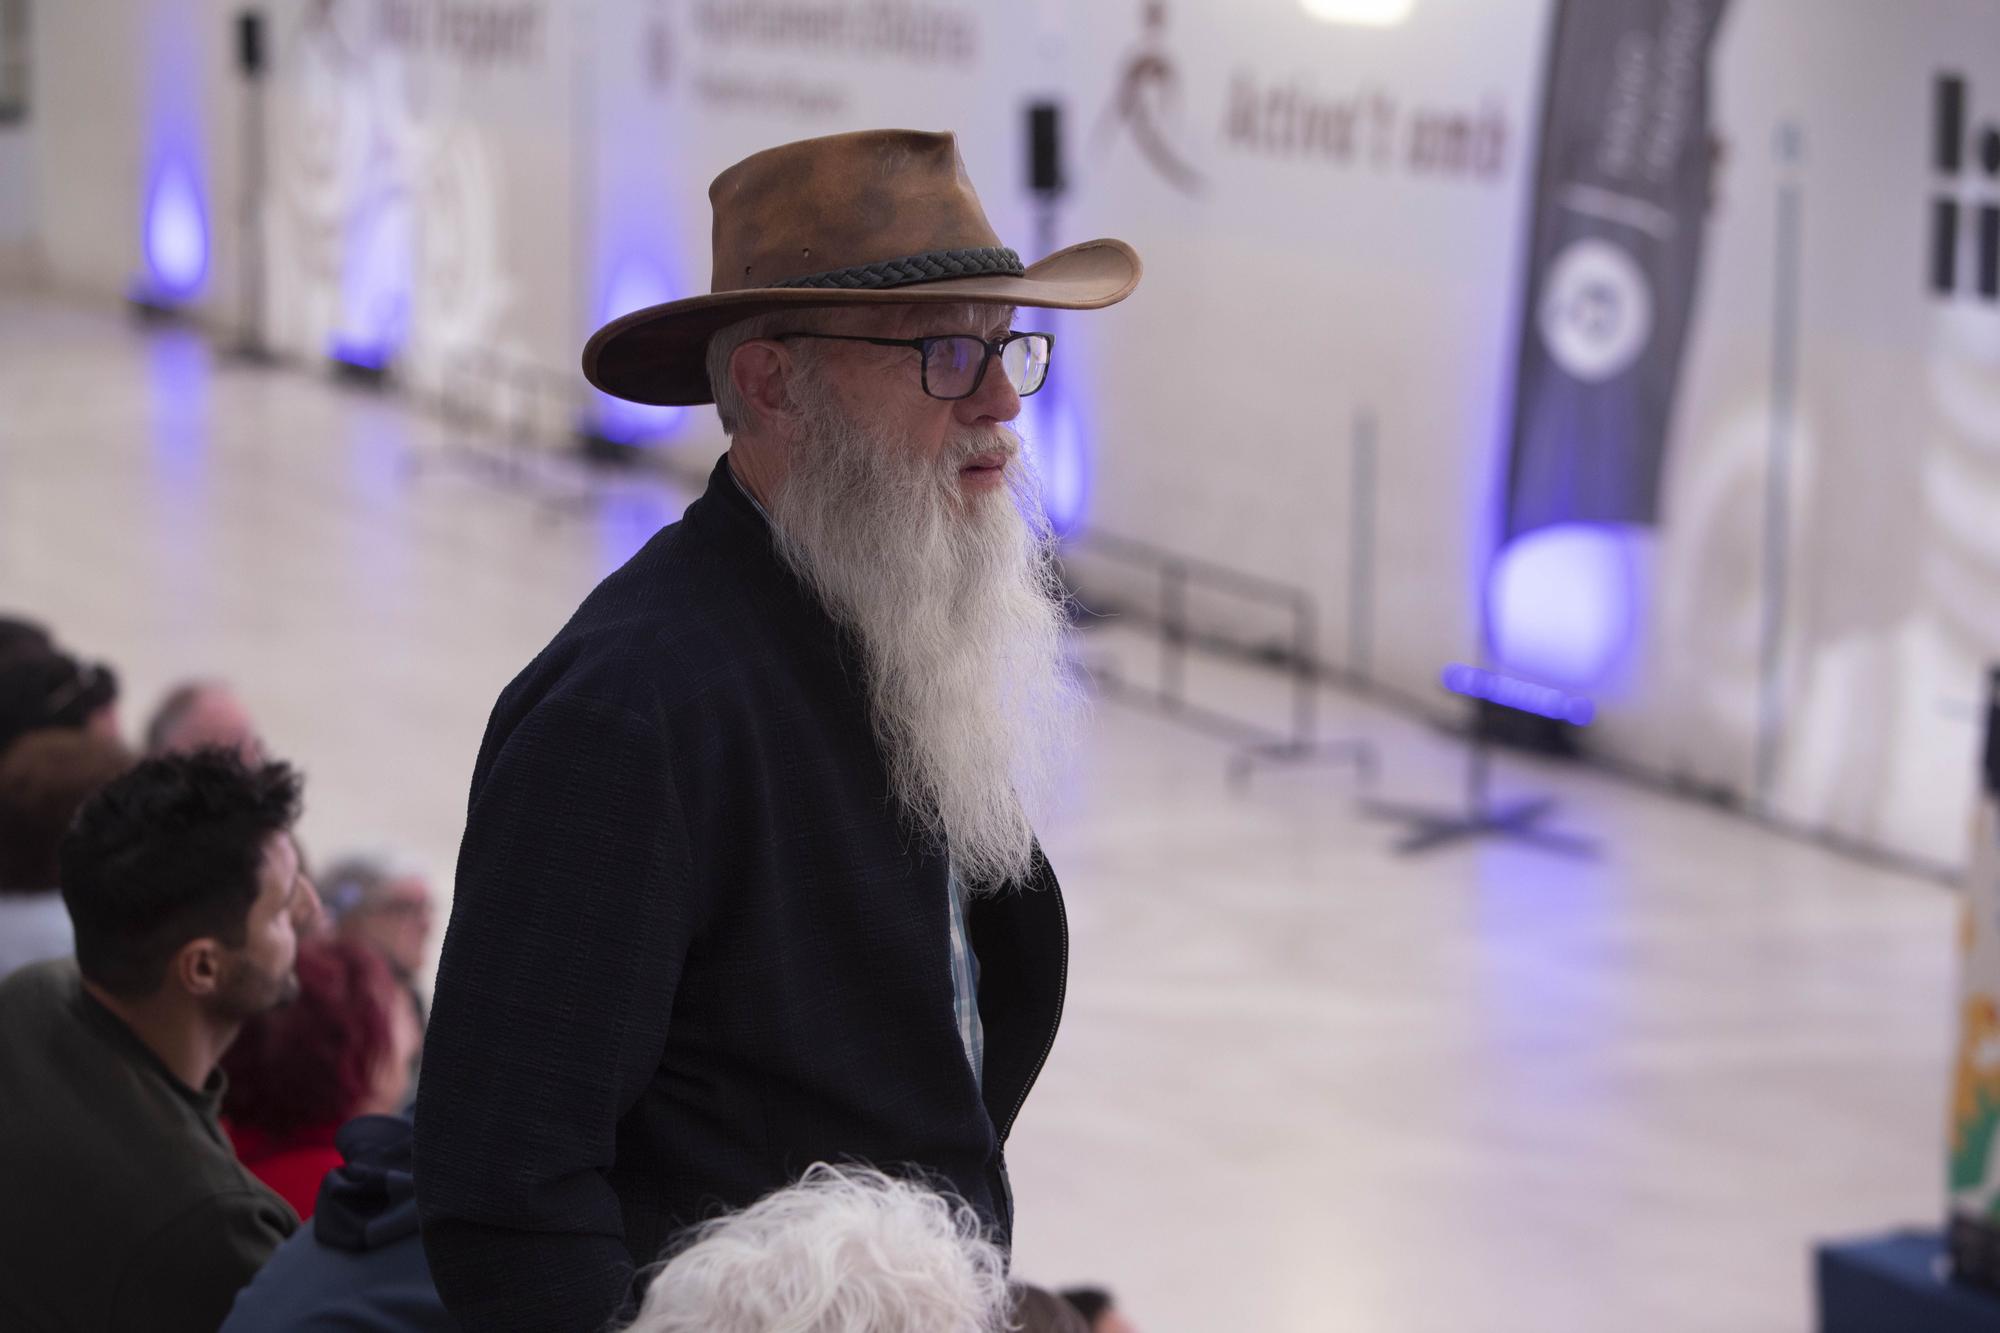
1561 602
635 284
1522 695
176 232
353 352
377 274
1050 425
627 519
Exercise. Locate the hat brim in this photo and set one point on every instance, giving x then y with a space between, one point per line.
658 355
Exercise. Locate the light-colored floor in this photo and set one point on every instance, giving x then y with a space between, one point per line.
1302 1084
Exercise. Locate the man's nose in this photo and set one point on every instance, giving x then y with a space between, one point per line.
993 400
306 911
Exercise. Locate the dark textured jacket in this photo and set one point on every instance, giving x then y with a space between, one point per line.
695 947
359 1266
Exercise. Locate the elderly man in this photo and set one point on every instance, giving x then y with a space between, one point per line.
747 880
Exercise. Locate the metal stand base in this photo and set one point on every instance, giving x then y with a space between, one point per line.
361 375
1431 829
149 308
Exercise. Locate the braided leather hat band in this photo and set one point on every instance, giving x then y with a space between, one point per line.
932 265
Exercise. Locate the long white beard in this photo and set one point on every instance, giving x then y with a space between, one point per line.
954 603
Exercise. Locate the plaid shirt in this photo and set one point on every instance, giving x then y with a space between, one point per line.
964 963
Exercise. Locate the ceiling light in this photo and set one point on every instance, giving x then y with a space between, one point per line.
1362 13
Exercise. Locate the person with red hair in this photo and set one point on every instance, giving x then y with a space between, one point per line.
296 1074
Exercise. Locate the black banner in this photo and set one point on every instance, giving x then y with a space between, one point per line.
1615 250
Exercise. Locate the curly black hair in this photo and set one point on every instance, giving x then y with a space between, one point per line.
169 853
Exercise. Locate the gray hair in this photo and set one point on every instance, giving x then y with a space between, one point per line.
729 404
173 711
846 1250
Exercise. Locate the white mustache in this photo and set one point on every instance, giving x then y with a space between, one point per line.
962 449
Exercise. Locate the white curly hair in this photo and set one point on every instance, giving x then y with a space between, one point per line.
845 1250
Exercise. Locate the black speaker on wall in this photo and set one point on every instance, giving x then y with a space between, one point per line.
251 55
1991 766
250 43
1045 173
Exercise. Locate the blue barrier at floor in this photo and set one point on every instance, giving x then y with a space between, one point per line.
1896 1284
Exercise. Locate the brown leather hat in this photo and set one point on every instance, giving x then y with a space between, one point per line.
876 217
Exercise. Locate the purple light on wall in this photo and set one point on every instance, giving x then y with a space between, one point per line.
377 274
1561 602
635 284
1049 422
627 520
176 232
360 353
1522 695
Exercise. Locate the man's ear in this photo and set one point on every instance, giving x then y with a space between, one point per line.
758 369
197 967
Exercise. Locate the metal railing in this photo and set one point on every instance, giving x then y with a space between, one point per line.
1252 743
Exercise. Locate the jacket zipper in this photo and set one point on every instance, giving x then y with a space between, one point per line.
1062 995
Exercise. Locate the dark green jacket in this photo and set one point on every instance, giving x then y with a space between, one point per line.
122 1205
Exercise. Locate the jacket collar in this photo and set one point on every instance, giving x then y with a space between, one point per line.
725 465
727 495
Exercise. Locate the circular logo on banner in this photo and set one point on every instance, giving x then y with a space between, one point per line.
1596 311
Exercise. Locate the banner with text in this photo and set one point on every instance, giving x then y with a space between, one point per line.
1620 198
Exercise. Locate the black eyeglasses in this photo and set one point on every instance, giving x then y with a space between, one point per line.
954 364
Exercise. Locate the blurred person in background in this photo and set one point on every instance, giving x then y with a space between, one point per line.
358 1266
385 903
1100 1312
45 777
24 638
198 714
1038 1311
125 1207
343 1047
748 877
42 690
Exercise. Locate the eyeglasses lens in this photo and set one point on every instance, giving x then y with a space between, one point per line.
954 364
1026 361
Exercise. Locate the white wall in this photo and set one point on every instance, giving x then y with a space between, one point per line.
1294 288
19 209
1298 288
